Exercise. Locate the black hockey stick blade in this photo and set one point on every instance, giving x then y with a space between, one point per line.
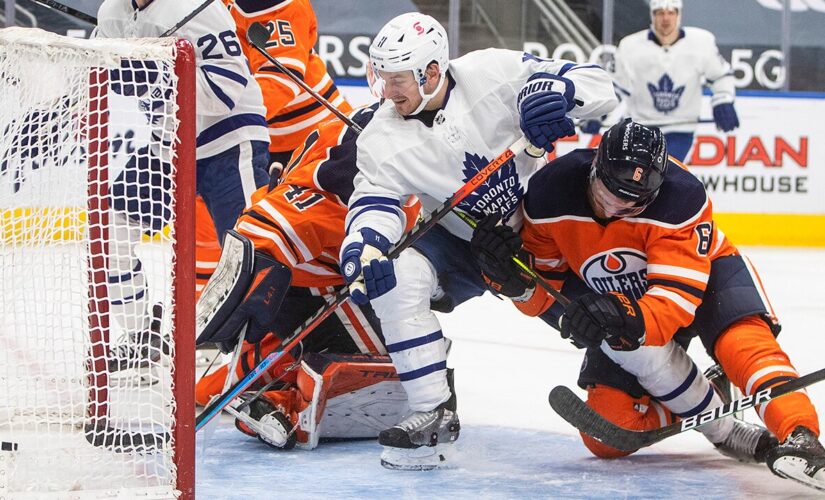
257 34
571 408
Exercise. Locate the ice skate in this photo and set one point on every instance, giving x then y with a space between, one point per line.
264 420
141 349
800 458
424 439
747 442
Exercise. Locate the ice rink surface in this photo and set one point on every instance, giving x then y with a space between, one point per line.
512 444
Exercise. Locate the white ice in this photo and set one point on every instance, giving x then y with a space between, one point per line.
512 444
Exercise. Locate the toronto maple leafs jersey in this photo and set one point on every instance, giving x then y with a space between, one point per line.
664 84
229 105
479 119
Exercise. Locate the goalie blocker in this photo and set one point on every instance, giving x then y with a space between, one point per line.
247 288
336 396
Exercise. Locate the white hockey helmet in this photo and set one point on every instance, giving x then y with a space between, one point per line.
666 4
409 42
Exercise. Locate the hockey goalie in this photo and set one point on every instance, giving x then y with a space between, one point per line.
277 268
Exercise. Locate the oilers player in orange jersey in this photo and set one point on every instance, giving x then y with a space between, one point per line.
628 235
294 229
291 113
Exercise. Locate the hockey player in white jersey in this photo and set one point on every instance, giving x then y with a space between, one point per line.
660 73
232 146
441 122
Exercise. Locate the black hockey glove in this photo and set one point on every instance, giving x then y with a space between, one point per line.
612 317
494 245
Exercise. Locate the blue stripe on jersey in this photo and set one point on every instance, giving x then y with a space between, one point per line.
228 125
127 300
375 208
375 200
682 388
700 407
416 342
414 374
573 67
235 77
565 68
124 277
219 93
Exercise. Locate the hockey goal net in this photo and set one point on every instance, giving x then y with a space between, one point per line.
96 267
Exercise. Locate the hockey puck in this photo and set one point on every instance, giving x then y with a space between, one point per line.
8 446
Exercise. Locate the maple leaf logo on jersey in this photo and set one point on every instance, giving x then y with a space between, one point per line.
665 97
501 193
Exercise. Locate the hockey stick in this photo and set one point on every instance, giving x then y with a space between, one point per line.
571 408
258 35
93 20
424 225
658 125
564 301
186 19
68 10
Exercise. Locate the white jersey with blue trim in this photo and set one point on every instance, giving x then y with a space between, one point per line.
479 119
663 84
229 104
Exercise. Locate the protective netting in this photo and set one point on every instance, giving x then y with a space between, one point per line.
87 278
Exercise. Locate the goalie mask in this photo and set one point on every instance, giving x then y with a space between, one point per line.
409 42
631 163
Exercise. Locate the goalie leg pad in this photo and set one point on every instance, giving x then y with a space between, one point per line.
342 396
246 287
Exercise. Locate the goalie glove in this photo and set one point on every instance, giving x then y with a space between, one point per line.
494 245
613 317
365 266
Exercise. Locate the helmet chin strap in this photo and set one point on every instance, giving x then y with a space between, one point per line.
425 98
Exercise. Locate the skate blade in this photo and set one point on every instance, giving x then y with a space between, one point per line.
419 459
796 469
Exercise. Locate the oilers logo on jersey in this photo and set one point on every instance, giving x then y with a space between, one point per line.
665 97
501 193
617 270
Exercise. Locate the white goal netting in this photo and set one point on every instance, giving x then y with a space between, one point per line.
91 162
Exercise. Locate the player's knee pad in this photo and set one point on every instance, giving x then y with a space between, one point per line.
416 284
342 396
622 409
247 287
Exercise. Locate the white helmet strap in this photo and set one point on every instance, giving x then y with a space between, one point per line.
426 98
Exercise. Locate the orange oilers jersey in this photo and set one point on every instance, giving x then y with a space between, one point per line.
301 220
291 113
661 257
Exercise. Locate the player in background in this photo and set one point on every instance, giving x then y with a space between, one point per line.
295 229
659 74
440 123
291 113
232 145
628 235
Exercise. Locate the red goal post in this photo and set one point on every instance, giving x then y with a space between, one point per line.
97 169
